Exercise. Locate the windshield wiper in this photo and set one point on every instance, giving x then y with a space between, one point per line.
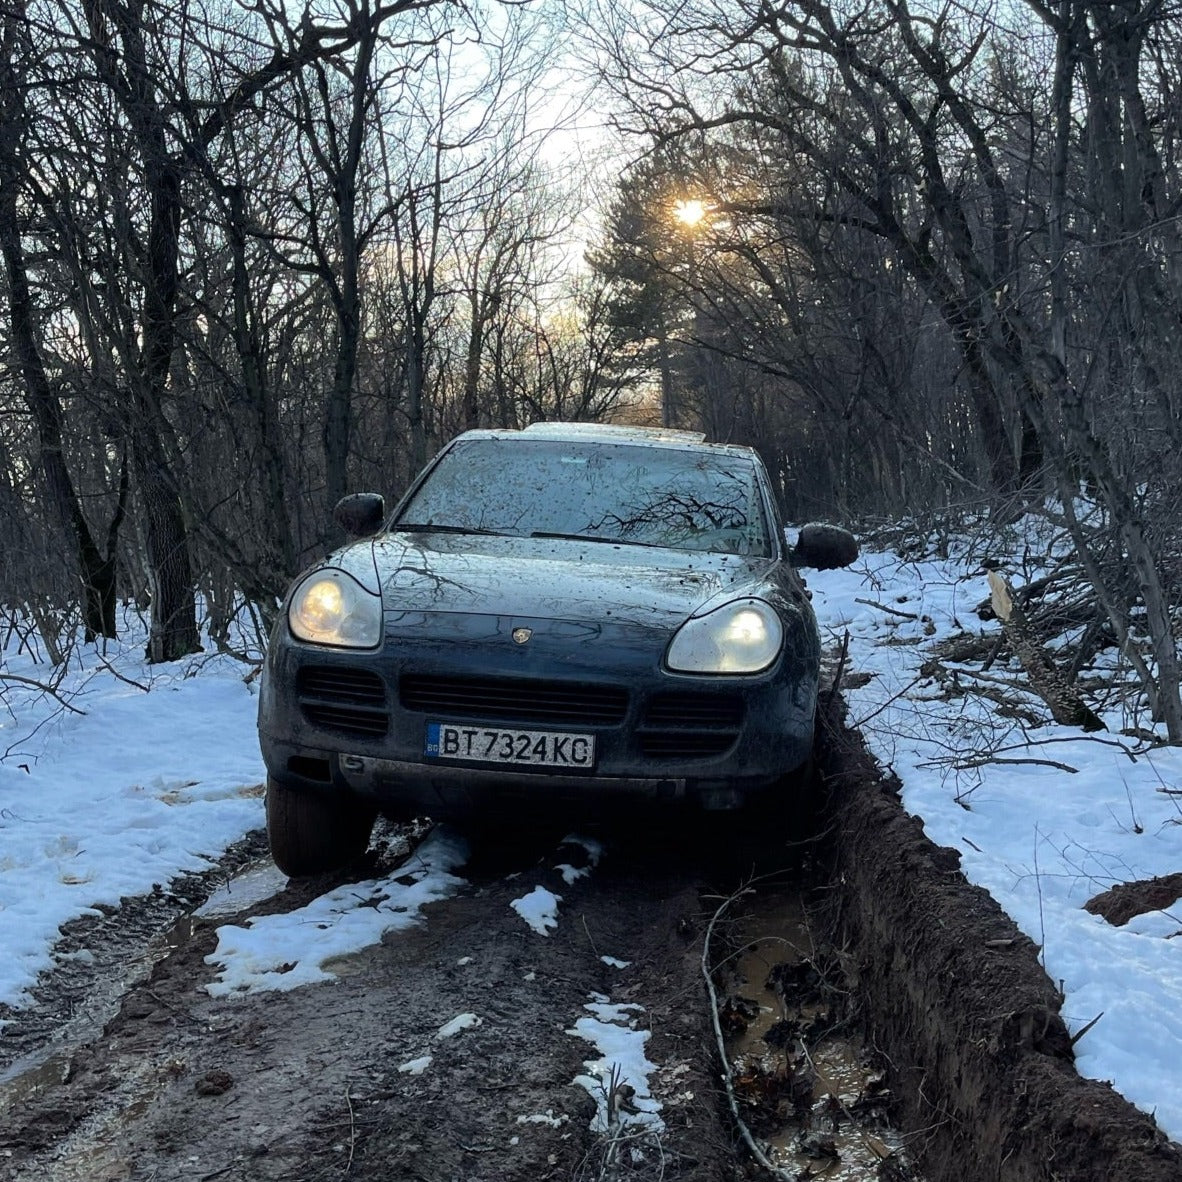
427 527
543 533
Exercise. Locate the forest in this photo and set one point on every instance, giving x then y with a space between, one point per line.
926 257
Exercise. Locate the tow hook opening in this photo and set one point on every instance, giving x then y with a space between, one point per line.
310 768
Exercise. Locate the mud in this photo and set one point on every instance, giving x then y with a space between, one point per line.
1127 900
308 1084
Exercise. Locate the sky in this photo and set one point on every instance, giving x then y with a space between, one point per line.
154 771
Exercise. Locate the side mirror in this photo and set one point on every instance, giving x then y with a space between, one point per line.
360 515
824 547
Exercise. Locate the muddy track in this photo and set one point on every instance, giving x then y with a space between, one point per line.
307 1085
167 1082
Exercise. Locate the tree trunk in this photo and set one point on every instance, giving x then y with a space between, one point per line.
282 557
97 573
1067 707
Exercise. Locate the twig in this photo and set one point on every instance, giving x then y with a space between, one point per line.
589 940
122 676
1109 742
727 1076
40 685
352 1130
891 611
889 702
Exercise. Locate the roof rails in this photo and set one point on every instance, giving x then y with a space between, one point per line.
615 430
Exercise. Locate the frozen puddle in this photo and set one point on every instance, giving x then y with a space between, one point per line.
247 889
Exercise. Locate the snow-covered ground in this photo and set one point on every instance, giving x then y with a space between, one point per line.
154 771
1044 818
148 772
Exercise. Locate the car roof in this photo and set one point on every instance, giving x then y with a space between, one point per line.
663 437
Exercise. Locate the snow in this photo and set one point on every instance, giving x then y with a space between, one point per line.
544 1118
458 1023
159 771
415 1066
287 951
156 773
613 1031
539 909
592 849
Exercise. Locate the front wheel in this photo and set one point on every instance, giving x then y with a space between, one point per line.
313 832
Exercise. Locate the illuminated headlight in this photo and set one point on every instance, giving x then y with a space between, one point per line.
741 637
331 607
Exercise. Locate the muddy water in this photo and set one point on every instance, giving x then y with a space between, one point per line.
811 1093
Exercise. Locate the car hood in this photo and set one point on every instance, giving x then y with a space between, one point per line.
544 578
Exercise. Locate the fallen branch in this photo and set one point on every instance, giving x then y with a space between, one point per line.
986 760
841 660
1084 1029
6 678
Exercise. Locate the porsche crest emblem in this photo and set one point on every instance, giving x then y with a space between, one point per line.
522 635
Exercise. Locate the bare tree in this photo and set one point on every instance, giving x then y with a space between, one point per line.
926 131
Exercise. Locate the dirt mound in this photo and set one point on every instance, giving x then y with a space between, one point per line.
1126 900
958 1003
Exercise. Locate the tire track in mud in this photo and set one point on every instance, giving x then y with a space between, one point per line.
446 1051
308 1084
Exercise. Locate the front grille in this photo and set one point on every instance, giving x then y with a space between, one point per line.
517 699
338 698
690 726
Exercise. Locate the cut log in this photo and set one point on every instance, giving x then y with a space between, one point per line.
1046 679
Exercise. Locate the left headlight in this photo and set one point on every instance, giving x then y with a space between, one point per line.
331 607
740 637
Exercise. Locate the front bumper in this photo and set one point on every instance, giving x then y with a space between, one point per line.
356 722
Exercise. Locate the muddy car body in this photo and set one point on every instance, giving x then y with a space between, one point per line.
561 616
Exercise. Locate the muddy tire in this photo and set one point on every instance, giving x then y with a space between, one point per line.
785 814
315 833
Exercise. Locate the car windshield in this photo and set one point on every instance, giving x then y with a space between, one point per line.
604 492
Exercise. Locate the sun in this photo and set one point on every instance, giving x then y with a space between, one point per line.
689 212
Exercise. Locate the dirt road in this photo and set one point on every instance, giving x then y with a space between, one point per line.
331 1081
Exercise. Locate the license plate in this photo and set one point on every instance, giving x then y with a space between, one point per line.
550 749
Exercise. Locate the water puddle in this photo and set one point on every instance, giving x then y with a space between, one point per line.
253 885
22 1081
810 1092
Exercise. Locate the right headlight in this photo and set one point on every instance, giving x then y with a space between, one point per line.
740 637
331 607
